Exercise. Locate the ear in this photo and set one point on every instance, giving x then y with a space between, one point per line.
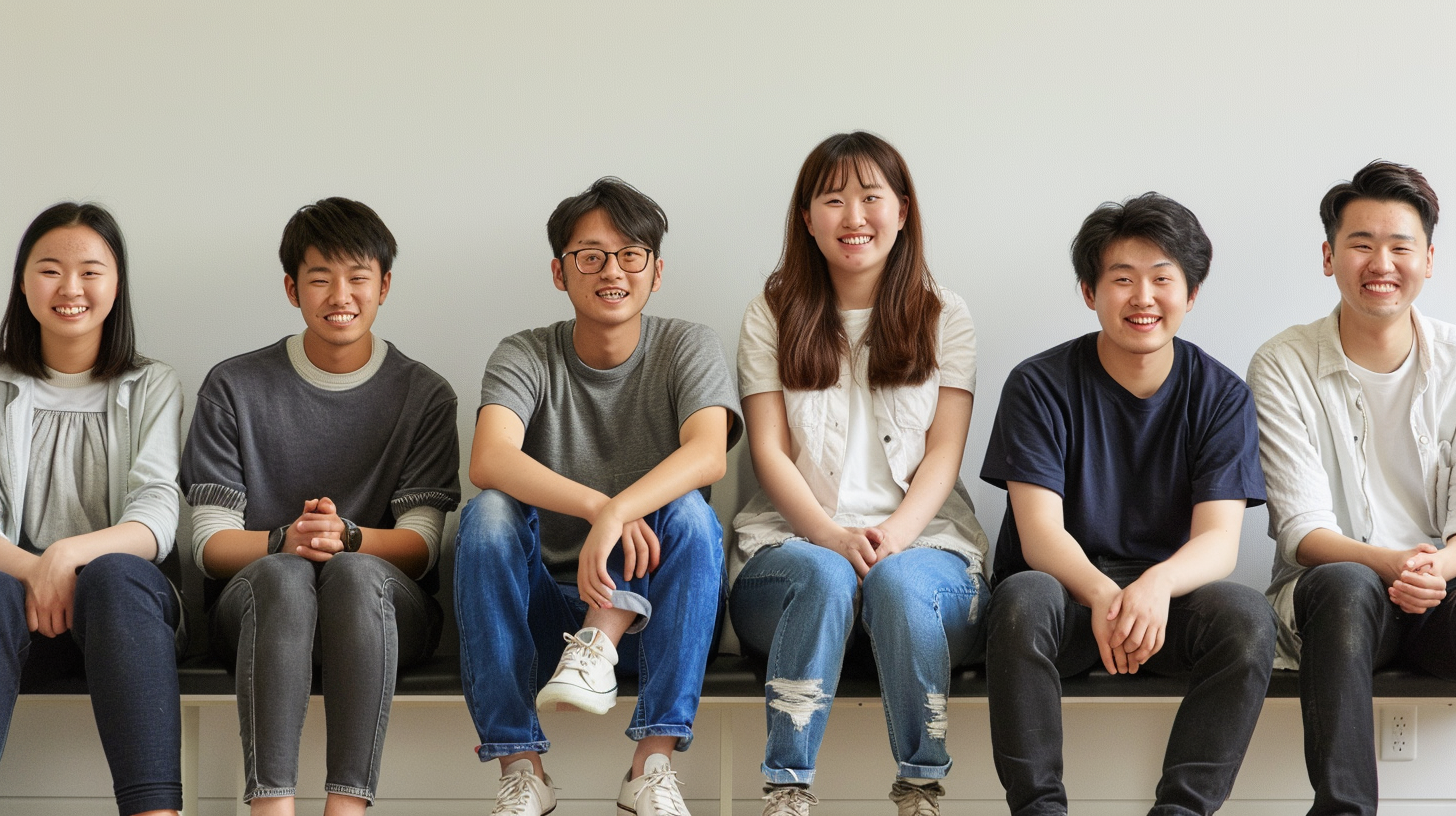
558 274
1089 296
290 287
1430 260
808 224
384 286
1192 296
1329 256
904 211
657 275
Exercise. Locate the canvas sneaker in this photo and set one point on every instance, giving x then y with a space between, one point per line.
915 800
788 800
523 793
654 793
584 678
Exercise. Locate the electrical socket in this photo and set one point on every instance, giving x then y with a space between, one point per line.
1397 733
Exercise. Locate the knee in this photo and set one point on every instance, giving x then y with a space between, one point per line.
1021 606
282 577
118 578
353 574
1343 597
895 583
1246 621
691 526
491 524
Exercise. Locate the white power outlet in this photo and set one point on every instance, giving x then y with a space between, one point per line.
1397 733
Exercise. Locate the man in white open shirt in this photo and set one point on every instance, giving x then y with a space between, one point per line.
1357 418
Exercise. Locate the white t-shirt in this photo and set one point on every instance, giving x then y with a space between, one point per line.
868 487
70 392
1397 496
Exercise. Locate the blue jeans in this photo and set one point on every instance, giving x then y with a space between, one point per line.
923 609
1219 636
512 614
360 619
1349 628
122 637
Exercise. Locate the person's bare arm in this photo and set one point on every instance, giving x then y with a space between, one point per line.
934 479
50 578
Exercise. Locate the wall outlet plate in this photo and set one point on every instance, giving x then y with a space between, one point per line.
1397 733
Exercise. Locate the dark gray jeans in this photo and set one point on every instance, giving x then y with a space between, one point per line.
1349 628
1220 636
371 619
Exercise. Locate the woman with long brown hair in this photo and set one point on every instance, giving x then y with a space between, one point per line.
857 373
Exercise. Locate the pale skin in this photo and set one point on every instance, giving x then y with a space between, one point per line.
339 299
70 267
1380 258
1140 299
608 328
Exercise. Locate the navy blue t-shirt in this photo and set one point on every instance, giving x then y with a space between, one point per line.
1128 470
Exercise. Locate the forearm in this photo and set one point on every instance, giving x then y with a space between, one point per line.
406 549
518 475
1059 555
1206 558
15 562
228 551
696 464
130 537
936 476
1326 546
785 487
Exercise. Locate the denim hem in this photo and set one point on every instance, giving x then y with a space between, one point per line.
786 776
922 771
632 602
495 750
150 802
347 790
683 733
268 793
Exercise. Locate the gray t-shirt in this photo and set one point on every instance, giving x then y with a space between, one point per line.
605 429
264 439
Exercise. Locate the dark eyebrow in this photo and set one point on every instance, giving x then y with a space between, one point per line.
57 261
1399 236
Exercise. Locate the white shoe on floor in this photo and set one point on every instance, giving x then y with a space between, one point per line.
523 793
585 678
916 800
788 800
654 793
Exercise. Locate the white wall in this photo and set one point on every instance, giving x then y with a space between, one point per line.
203 126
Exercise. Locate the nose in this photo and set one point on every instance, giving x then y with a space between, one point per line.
1382 260
854 214
71 284
611 268
338 291
1142 293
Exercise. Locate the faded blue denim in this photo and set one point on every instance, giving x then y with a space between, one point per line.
923 610
512 614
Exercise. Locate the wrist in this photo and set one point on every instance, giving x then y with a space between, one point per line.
594 508
353 537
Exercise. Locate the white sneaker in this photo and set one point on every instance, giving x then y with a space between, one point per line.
654 793
584 678
914 800
788 800
522 793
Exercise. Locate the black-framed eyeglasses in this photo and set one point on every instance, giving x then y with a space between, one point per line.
592 261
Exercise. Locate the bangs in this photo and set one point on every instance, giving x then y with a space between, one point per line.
835 176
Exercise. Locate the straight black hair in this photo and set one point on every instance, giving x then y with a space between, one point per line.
339 228
636 216
1382 180
1153 217
20 331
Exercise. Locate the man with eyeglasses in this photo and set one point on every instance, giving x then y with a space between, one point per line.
594 445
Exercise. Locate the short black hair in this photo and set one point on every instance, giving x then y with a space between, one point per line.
20 331
629 209
1382 180
1153 217
339 228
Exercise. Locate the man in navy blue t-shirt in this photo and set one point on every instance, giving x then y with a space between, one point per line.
1128 456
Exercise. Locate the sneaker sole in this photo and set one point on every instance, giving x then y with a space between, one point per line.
571 698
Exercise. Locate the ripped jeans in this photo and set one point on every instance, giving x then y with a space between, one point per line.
924 612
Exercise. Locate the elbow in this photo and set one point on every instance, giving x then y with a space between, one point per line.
714 469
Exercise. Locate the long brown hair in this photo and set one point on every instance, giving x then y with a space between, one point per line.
904 325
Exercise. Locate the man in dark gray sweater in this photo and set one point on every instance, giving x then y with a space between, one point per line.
320 469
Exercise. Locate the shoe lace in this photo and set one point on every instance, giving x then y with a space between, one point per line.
913 800
582 655
788 801
514 796
661 789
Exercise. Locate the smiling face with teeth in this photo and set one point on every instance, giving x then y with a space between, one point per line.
1380 259
610 300
339 298
70 286
1140 300
856 226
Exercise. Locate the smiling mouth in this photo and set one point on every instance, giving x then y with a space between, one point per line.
1381 287
70 311
612 295
340 319
1144 320
855 240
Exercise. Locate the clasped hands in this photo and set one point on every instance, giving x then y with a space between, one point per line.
318 533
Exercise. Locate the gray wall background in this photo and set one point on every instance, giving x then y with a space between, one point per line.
203 126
